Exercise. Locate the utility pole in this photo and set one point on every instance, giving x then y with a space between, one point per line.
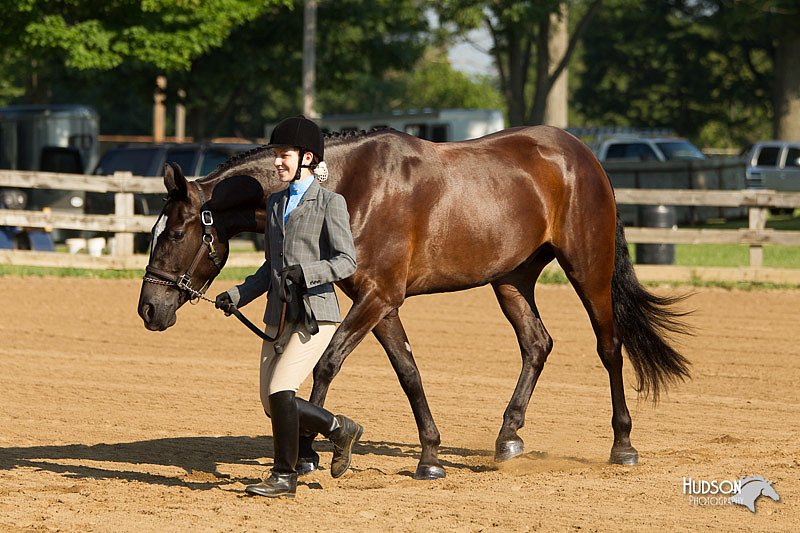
159 110
309 71
180 117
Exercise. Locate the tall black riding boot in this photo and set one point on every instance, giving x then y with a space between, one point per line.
313 420
282 481
340 430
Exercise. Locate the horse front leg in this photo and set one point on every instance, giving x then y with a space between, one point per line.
392 336
362 317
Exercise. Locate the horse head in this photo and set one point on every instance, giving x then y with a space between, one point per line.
751 488
188 250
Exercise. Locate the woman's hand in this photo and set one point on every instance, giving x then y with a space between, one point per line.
294 274
223 301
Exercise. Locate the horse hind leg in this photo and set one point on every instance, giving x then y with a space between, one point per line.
593 285
514 292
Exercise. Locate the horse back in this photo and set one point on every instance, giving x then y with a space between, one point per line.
447 216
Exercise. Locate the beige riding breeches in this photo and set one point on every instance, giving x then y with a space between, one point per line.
290 369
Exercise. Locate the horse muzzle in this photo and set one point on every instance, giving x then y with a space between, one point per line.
157 308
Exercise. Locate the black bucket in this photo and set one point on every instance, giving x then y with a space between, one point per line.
656 216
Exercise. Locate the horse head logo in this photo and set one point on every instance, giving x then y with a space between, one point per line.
751 488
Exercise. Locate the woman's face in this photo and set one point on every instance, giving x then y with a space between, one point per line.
286 162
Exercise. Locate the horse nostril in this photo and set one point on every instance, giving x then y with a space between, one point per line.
147 312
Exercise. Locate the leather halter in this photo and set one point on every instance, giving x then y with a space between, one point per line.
295 303
184 281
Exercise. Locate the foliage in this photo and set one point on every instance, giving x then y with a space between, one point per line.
252 76
101 35
702 68
706 68
432 83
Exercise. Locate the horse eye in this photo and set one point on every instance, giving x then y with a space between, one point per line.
177 235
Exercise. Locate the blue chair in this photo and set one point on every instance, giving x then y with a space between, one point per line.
41 241
7 241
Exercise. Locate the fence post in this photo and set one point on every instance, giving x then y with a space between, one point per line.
757 221
123 207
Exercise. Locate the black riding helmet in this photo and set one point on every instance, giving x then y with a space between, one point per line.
299 132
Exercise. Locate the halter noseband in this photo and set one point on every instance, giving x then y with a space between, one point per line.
184 281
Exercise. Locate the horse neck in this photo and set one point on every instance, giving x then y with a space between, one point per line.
237 197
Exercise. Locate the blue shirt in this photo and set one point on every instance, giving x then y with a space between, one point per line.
296 191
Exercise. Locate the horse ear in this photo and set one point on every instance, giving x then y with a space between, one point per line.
175 181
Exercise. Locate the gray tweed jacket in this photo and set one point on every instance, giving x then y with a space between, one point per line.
317 237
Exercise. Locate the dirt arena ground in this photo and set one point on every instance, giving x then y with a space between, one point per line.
108 427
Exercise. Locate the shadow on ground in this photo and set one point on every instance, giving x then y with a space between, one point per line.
195 455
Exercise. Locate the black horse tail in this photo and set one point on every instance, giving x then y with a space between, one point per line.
644 321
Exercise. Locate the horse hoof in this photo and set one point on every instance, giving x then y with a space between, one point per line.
508 449
429 472
305 467
624 456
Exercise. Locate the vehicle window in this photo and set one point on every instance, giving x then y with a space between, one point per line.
439 133
186 159
417 130
60 159
793 158
631 151
644 152
768 156
617 151
680 151
211 160
138 161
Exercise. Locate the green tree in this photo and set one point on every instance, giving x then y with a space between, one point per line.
369 58
93 34
710 70
45 40
520 32
431 82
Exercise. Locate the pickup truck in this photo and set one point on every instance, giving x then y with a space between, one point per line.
195 159
646 149
773 165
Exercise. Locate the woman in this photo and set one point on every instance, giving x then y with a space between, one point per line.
309 243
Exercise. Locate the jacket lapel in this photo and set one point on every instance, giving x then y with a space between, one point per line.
306 203
279 208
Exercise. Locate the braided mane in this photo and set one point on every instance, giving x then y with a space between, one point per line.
338 137
333 138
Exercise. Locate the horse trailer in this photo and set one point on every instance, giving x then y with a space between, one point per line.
438 125
50 138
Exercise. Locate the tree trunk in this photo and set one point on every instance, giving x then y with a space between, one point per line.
542 83
518 52
309 59
557 106
786 123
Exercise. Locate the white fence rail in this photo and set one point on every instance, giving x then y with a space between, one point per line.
124 223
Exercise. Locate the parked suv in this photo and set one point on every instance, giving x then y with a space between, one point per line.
645 149
148 160
773 165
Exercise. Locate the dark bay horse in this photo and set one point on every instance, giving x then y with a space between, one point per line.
430 218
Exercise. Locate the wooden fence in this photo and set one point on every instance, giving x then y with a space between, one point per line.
124 223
